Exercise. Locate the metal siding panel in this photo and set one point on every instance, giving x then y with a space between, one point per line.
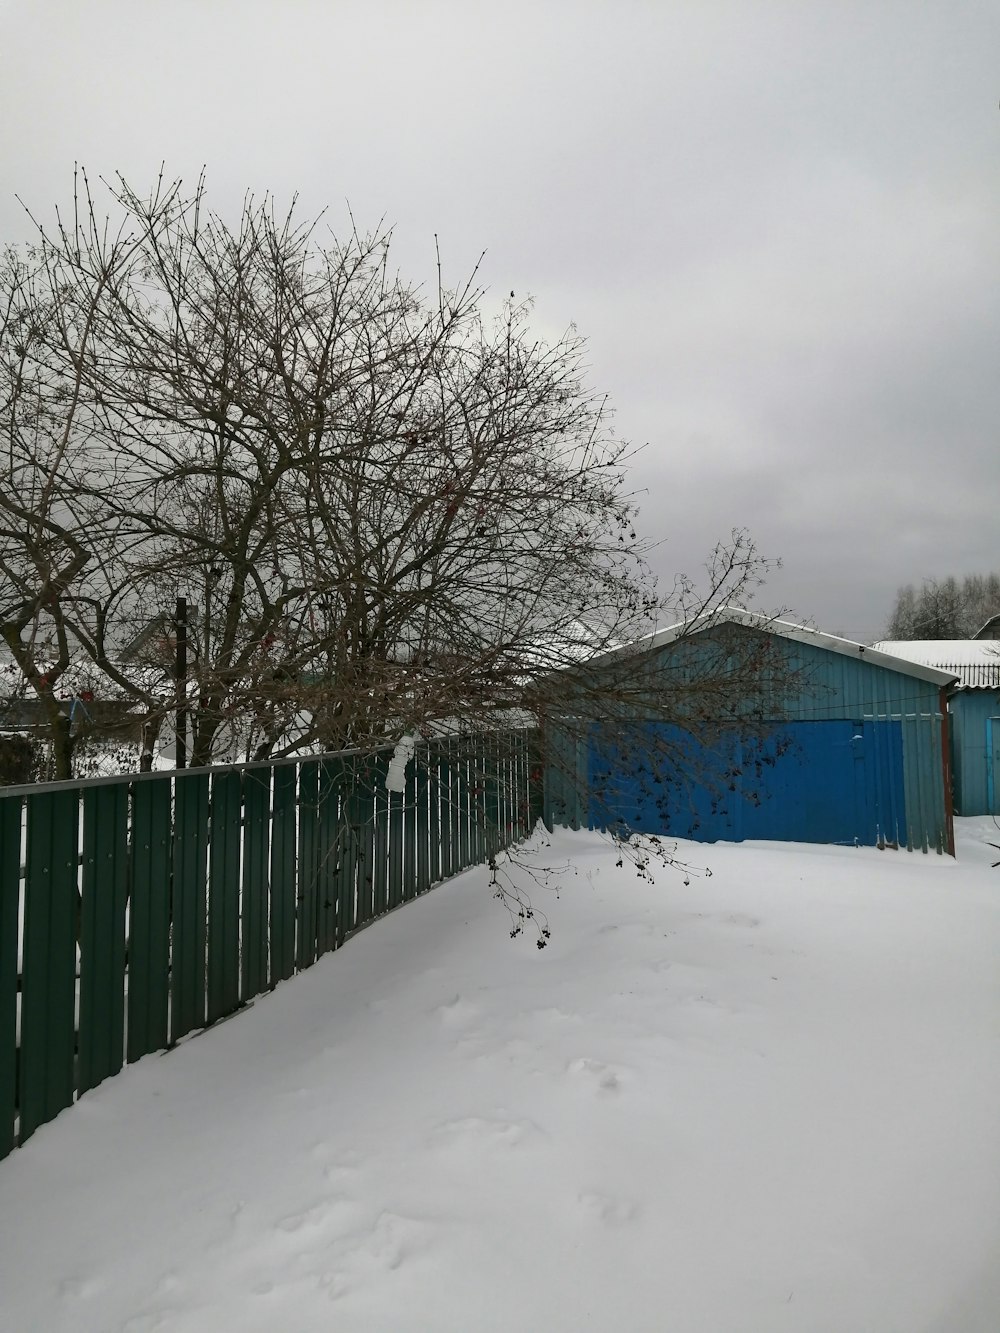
819 781
224 895
364 807
454 810
256 818
434 814
477 803
914 822
379 865
926 819
380 843
835 688
422 826
327 855
847 688
349 852
283 879
305 925
190 905
461 795
885 782
814 790
969 711
149 918
410 826
448 821
395 847
492 817
48 998
10 894
104 890
347 883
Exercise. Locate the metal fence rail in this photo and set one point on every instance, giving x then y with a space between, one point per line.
135 910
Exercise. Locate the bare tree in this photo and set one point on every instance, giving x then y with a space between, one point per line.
944 608
395 514
64 543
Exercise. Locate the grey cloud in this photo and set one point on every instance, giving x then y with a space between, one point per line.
776 223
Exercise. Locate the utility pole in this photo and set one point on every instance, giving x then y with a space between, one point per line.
180 679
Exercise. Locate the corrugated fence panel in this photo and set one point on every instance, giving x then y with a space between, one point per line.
305 919
409 866
190 905
10 894
224 895
970 712
363 806
395 848
256 821
420 828
460 798
104 891
149 917
447 823
48 1015
328 854
190 893
925 818
349 849
433 770
283 874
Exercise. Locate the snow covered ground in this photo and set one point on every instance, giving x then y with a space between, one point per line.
765 1101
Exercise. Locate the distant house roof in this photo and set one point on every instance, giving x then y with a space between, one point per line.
976 662
991 630
788 629
157 637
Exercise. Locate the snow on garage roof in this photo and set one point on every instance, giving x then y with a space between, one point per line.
976 662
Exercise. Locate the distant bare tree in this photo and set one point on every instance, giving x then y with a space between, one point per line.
944 608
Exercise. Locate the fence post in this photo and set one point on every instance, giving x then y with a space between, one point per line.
10 893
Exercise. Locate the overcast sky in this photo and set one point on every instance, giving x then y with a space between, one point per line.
777 223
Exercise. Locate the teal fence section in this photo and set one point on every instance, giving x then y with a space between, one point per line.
136 910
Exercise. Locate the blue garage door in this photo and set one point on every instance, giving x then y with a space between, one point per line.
829 781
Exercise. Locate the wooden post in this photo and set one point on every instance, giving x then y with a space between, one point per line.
180 680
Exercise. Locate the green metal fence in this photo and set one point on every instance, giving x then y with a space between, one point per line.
135 910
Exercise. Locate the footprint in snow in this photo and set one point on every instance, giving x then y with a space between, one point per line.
741 919
607 1209
479 1130
151 1321
551 1014
371 1253
308 1219
603 1077
81 1288
457 1011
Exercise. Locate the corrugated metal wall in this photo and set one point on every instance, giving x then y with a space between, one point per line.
827 686
970 712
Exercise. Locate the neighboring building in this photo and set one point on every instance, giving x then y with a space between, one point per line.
855 751
84 695
974 708
991 630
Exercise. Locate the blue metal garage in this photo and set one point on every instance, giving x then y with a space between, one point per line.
854 751
973 714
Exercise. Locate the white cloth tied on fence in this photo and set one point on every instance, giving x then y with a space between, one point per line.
395 779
